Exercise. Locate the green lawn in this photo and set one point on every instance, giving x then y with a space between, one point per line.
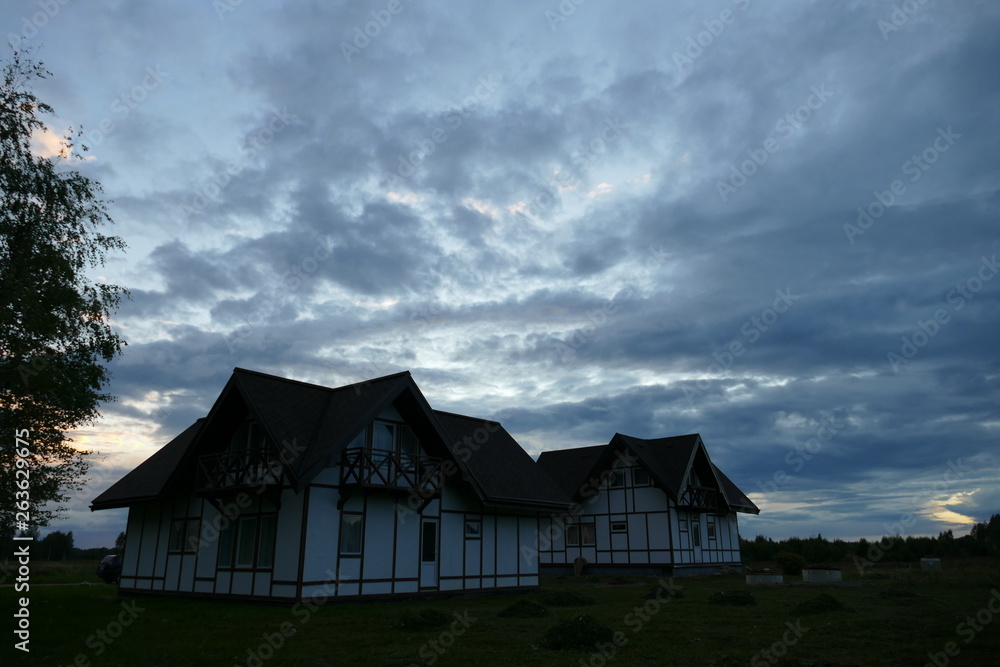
891 621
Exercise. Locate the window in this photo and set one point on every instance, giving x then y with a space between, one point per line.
695 534
428 542
619 527
581 534
246 536
185 535
408 443
350 534
383 436
473 529
359 440
265 548
640 477
711 531
226 537
249 435
617 479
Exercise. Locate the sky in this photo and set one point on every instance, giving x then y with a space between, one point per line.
773 224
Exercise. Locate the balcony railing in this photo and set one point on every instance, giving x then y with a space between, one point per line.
390 470
238 470
699 499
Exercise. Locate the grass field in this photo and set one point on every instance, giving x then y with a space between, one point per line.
894 619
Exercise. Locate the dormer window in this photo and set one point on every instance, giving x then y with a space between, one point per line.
249 435
388 437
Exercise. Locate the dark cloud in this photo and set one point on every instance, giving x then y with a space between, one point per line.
569 226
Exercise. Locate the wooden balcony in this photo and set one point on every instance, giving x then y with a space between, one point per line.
389 471
220 474
700 499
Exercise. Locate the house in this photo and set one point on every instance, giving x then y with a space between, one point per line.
642 506
293 491
288 490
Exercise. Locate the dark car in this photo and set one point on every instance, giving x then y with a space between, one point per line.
110 568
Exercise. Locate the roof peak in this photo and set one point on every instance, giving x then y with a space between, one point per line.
271 376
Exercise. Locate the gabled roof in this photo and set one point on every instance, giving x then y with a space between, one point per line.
504 471
569 468
311 424
150 479
668 460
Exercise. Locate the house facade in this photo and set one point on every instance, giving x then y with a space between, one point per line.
293 491
643 507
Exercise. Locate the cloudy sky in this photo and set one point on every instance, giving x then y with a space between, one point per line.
774 224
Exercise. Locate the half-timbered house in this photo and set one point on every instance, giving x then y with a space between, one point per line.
655 506
288 490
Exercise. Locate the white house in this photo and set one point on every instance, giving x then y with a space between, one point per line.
643 507
288 490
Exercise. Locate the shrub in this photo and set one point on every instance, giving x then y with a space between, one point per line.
425 619
733 598
524 609
582 632
566 599
790 563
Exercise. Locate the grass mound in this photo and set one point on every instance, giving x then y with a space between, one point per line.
732 598
565 599
425 619
582 632
820 604
524 609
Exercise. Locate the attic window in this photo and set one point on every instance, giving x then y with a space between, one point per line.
249 435
640 477
617 479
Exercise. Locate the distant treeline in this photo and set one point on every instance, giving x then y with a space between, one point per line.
982 540
58 545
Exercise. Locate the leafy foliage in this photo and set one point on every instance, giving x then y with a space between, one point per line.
790 563
56 546
983 540
54 322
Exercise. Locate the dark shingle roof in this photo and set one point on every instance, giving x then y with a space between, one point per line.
322 421
737 499
504 471
149 480
667 459
570 467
